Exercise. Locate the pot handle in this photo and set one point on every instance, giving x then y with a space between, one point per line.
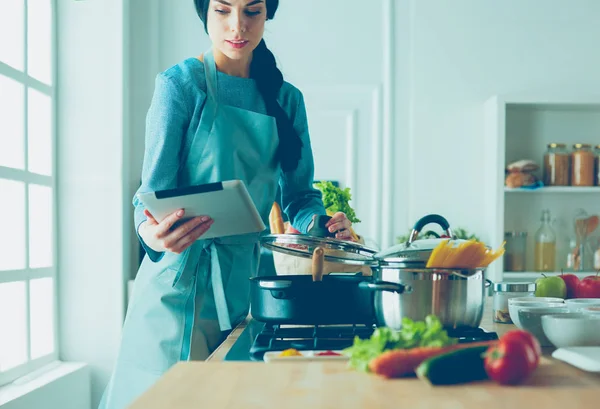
488 283
424 221
386 286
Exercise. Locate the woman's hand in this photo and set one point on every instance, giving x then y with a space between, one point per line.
339 223
162 236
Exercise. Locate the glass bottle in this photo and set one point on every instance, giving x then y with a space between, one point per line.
557 166
545 245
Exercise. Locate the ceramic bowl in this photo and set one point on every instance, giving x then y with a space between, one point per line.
530 319
590 310
519 300
514 307
576 304
572 329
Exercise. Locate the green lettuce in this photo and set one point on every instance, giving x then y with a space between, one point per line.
428 333
336 199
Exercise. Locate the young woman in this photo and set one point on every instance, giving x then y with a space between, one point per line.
225 115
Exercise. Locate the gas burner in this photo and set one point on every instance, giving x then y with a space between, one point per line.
467 335
302 338
259 338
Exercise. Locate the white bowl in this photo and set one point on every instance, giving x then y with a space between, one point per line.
595 310
521 300
576 304
513 309
572 329
530 319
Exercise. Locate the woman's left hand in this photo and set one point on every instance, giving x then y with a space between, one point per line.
339 223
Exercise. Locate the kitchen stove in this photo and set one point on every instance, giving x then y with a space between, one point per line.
258 338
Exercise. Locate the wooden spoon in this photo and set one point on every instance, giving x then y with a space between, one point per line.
317 264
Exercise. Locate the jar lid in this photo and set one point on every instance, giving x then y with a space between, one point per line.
557 145
582 145
512 287
515 234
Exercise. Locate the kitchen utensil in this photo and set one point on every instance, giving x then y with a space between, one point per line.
530 319
402 284
318 228
576 304
317 264
584 358
572 329
292 254
405 287
516 304
336 299
591 311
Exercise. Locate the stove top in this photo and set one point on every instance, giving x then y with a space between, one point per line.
258 338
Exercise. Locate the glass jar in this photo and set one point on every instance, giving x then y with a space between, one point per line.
516 248
582 165
557 165
505 291
597 164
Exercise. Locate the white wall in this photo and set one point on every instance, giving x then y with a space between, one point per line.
91 145
461 53
447 58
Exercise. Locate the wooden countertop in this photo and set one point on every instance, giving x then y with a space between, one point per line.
236 385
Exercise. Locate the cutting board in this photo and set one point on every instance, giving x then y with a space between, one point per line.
315 385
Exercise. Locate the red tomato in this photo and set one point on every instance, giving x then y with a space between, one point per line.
513 359
527 338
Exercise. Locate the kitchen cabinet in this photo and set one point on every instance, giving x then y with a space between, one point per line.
518 127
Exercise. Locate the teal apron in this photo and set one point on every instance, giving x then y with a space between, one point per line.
183 305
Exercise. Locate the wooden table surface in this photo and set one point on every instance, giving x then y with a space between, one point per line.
215 384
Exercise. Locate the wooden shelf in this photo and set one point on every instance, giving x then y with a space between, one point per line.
555 189
534 275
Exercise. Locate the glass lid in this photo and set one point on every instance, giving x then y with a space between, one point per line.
336 251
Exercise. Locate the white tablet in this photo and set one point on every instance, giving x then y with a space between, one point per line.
228 203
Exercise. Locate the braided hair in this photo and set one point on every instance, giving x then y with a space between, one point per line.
269 79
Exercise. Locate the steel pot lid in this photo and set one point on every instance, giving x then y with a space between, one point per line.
336 251
416 252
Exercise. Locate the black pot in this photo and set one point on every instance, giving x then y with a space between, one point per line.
336 299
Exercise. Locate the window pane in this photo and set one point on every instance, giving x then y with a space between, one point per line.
11 26
39 39
41 307
13 342
39 133
40 226
12 210
12 107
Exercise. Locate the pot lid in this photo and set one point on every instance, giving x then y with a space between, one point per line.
416 251
336 251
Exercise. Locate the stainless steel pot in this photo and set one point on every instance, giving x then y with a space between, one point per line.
456 297
404 287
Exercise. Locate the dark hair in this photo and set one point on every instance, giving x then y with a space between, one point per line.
263 69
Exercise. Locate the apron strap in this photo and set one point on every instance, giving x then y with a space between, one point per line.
216 278
210 72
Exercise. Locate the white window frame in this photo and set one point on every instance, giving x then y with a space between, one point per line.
27 177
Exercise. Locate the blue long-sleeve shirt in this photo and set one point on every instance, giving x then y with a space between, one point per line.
177 103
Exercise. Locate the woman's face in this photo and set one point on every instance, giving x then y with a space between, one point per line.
235 27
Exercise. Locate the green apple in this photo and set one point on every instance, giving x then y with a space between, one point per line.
550 287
